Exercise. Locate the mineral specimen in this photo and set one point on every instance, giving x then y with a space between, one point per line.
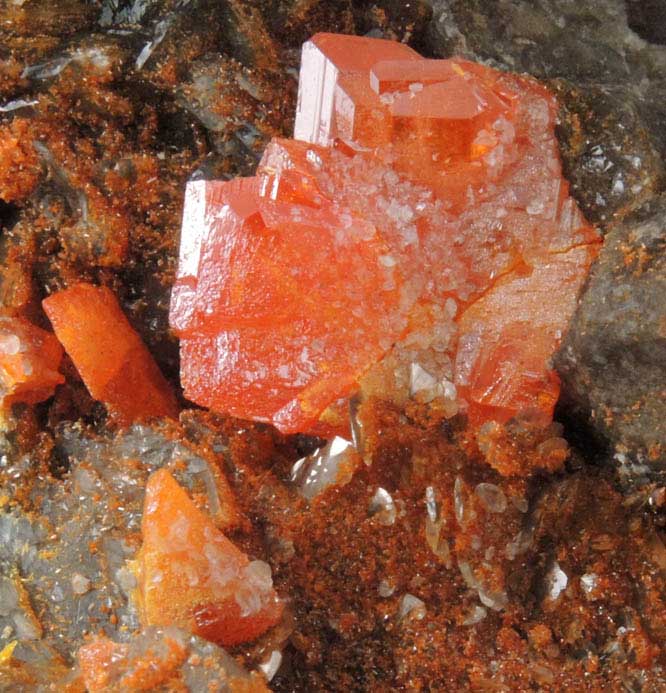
29 361
214 86
421 225
113 362
192 576
159 659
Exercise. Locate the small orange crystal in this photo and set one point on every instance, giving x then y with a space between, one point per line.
29 361
111 358
192 576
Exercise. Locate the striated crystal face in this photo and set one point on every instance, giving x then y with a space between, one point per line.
418 229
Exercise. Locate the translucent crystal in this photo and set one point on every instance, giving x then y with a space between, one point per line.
382 507
331 465
557 581
411 607
476 615
434 524
417 238
271 665
385 589
492 497
589 583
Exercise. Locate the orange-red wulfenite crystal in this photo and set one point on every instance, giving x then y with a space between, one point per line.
111 358
272 304
422 188
29 361
192 576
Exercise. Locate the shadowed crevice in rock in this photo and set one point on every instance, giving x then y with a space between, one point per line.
648 19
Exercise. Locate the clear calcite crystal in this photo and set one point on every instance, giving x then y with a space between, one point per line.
332 465
418 226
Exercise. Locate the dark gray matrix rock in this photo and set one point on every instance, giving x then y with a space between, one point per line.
606 61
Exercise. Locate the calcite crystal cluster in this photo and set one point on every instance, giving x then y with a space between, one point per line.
417 238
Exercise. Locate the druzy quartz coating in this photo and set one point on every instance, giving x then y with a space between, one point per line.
419 223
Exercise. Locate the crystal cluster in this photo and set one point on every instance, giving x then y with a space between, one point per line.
417 238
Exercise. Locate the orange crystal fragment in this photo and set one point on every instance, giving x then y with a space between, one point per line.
29 361
192 576
464 253
111 358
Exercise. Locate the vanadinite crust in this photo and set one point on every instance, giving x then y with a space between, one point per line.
418 235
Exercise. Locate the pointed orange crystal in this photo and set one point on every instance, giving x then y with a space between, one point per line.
192 576
419 222
111 358
29 362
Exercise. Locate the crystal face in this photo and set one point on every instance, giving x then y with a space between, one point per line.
111 358
192 576
29 362
417 238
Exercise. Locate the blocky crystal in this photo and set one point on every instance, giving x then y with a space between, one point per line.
111 358
420 217
29 361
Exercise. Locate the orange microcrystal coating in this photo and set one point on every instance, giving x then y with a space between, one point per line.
192 576
19 165
29 361
111 358
104 663
419 223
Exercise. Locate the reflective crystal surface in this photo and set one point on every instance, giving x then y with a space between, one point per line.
416 239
